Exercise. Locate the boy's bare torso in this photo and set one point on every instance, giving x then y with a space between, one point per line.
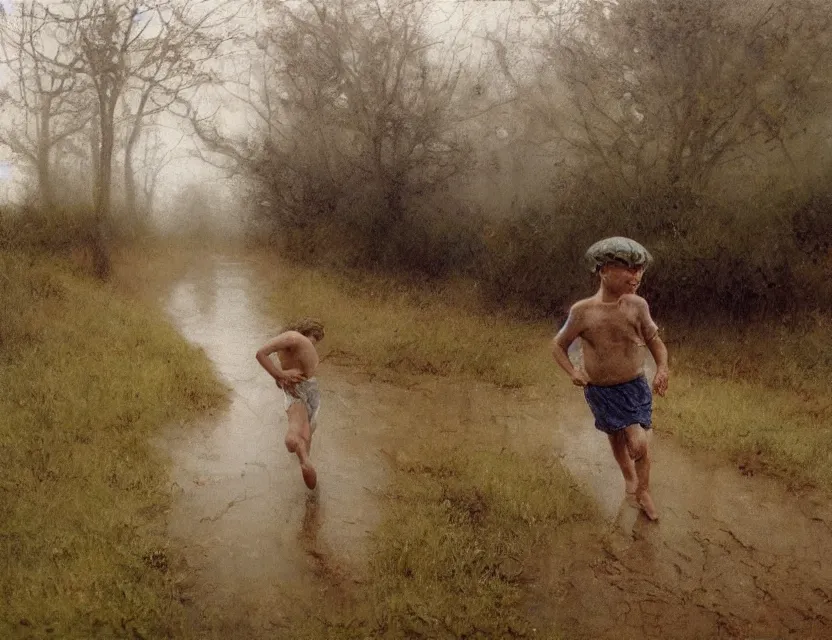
613 335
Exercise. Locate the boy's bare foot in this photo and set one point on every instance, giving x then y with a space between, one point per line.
310 477
645 501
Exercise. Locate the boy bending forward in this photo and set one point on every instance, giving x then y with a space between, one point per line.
294 371
613 326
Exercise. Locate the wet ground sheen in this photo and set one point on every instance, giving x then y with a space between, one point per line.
731 557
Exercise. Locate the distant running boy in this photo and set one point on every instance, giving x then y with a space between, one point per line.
613 326
294 373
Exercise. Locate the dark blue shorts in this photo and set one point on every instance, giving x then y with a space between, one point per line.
620 405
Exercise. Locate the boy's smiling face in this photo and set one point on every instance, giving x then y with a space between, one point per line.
619 278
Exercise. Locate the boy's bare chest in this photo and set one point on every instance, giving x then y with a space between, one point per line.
611 325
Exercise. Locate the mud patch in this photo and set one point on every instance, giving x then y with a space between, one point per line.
734 555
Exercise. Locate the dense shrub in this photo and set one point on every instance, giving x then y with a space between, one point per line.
710 260
56 229
70 229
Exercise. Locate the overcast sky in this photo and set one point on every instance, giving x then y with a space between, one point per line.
456 25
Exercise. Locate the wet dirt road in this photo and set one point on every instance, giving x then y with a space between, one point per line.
255 539
732 556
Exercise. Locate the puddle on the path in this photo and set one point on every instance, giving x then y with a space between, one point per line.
732 556
251 531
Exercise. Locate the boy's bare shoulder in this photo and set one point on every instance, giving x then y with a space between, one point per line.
295 338
635 300
582 305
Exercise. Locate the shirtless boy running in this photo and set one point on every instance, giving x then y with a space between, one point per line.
293 372
614 325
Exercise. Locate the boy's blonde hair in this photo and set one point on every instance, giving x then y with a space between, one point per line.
308 327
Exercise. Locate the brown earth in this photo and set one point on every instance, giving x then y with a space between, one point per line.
734 555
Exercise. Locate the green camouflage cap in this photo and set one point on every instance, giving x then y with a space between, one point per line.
617 249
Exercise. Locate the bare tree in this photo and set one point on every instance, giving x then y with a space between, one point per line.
352 100
155 156
147 52
168 65
44 104
673 91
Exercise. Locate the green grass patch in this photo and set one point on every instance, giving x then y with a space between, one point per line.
385 324
459 544
759 429
87 379
757 394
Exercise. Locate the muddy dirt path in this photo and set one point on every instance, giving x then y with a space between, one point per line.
732 556
255 539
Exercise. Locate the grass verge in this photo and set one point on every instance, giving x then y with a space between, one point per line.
458 546
87 379
758 395
383 324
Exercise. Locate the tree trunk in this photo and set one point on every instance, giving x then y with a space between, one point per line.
101 248
95 153
44 152
130 185
150 193
129 174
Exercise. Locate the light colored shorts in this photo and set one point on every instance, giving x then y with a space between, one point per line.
308 394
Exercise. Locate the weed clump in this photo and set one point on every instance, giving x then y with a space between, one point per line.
458 545
87 378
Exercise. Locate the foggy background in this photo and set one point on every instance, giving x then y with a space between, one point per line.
485 139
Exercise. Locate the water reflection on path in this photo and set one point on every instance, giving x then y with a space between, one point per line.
251 530
732 556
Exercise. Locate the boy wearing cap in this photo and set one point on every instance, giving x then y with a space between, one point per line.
613 326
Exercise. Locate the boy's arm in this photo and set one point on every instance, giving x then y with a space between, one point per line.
657 349
659 352
568 333
283 341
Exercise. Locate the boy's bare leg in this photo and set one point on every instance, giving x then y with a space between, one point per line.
637 445
618 442
299 440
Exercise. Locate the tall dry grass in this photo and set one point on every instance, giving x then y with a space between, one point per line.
758 395
88 377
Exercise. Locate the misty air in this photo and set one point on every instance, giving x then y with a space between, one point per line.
401 319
